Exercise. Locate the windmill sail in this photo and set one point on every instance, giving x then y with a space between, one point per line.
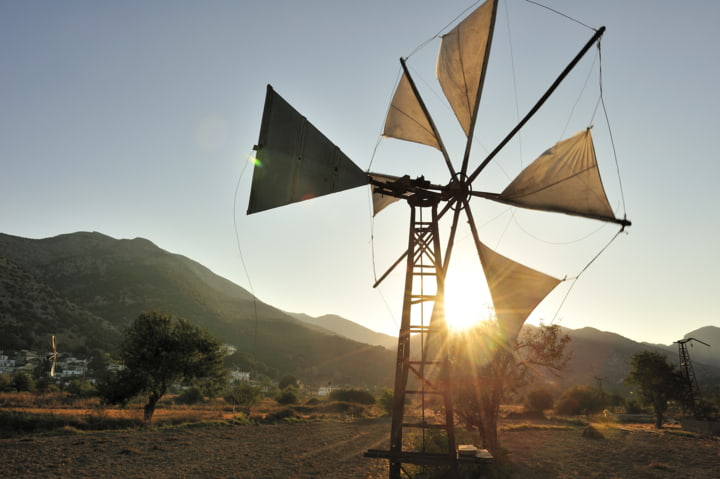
406 119
462 60
516 290
564 179
380 200
296 162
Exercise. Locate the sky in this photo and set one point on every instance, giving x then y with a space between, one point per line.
137 119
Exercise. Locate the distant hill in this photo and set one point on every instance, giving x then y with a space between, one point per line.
604 358
344 327
85 288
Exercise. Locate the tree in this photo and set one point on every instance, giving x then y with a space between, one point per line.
488 369
657 381
158 351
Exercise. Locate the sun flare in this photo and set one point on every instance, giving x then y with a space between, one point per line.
467 300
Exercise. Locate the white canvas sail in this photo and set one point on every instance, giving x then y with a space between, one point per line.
406 119
381 201
564 179
516 290
461 62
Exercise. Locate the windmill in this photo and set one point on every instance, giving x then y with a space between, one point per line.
295 162
692 389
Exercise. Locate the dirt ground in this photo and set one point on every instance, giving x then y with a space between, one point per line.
334 449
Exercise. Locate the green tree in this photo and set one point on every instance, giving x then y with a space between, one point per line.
657 382
488 369
158 351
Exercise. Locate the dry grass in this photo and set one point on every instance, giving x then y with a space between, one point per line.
328 445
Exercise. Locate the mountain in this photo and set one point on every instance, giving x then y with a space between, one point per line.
706 354
602 358
335 324
85 288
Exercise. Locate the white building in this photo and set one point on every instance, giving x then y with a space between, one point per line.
239 376
6 365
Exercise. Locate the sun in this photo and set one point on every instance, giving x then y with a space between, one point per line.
467 300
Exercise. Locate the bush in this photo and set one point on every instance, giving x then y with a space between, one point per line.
538 400
189 396
22 381
360 396
288 381
289 395
386 400
81 388
632 406
243 394
6 383
579 400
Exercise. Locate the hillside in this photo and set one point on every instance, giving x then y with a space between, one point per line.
86 287
335 324
601 357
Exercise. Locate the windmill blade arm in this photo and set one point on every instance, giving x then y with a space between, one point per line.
499 199
539 103
390 269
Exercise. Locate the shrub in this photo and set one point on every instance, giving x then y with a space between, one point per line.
288 381
579 400
289 395
189 396
6 382
360 396
22 381
538 400
81 388
386 400
243 394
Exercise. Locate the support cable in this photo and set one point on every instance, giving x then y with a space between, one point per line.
574 280
237 240
612 140
561 14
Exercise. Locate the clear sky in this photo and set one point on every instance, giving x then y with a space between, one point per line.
136 119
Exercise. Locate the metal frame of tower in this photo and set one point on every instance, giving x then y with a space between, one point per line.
692 392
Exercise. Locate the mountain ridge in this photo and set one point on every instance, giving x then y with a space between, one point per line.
86 287
112 281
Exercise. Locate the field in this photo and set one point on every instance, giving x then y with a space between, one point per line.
197 442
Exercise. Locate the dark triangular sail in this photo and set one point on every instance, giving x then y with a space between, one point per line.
294 161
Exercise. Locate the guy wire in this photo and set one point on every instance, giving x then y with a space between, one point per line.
242 259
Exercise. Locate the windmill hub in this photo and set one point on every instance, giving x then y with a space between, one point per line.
459 190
